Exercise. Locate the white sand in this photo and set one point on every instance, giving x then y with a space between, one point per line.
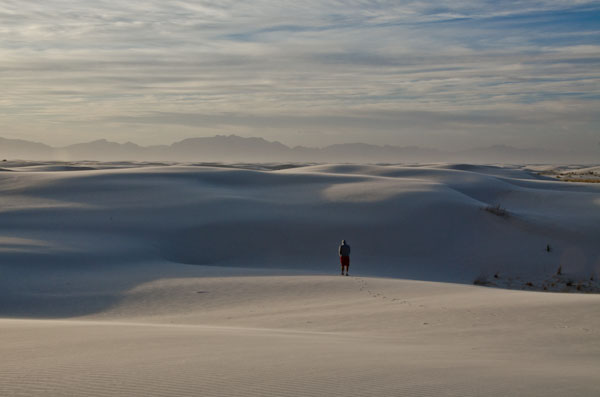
95 299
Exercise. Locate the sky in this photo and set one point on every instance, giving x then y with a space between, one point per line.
446 74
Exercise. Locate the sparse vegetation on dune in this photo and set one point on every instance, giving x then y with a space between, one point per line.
582 180
581 176
558 282
497 210
482 280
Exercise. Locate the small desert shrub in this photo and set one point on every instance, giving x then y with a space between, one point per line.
529 284
497 210
481 280
570 283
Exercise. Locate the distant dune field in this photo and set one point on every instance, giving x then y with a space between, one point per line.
174 279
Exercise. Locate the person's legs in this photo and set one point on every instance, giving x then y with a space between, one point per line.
345 263
342 263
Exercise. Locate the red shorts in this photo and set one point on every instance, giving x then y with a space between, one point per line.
345 261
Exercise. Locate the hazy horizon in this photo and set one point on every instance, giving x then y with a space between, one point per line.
253 137
449 76
233 148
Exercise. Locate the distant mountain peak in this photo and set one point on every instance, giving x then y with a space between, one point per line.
235 148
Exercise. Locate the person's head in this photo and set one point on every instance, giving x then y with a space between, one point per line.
343 242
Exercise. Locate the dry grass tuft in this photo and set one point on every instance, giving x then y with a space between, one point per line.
497 210
482 280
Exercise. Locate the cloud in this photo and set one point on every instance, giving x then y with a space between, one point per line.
445 69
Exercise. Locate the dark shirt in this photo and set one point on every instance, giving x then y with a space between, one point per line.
344 250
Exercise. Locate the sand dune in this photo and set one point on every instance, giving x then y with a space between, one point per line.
146 279
418 222
311 336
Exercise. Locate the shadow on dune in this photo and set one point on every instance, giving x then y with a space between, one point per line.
38 285
55 286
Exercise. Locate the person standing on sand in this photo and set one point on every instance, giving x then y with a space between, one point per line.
344 252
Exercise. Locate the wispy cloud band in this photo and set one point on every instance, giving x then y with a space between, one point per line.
385 71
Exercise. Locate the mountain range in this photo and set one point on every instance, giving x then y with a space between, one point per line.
234 148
